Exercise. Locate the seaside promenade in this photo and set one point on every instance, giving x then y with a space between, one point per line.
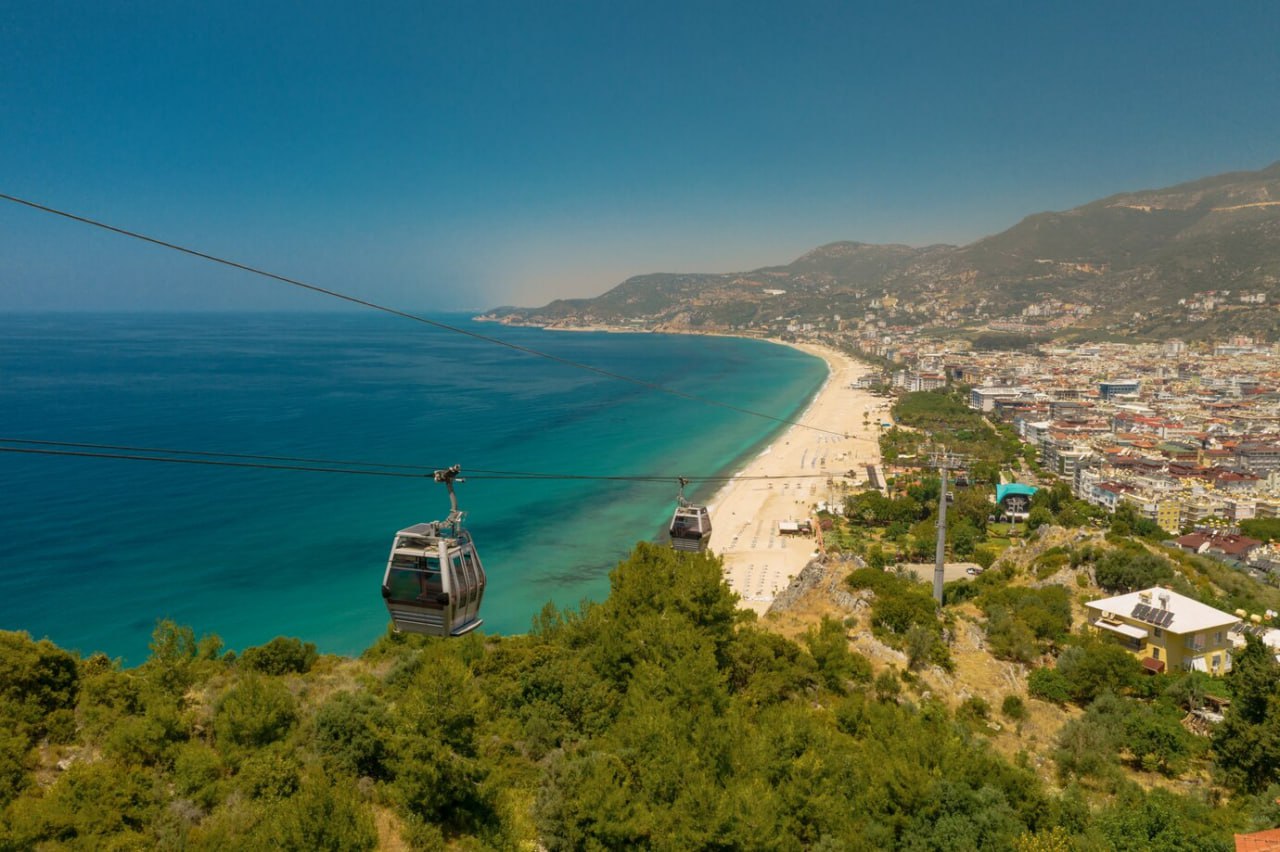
759 559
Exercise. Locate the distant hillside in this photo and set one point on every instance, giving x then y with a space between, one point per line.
1132 253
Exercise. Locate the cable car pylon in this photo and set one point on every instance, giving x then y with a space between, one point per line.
943 461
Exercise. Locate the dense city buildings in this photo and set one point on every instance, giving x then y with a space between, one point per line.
1187 435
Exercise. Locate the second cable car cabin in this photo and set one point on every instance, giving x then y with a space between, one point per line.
690 525
434 581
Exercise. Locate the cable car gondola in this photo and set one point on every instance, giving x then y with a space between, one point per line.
434 581
690 525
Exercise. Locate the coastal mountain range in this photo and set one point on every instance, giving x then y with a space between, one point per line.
1196 259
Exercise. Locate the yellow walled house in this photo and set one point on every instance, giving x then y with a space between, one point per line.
1167 631
1168 515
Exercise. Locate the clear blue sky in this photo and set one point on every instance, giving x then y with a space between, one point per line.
468 154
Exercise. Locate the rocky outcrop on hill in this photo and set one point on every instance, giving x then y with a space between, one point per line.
823 576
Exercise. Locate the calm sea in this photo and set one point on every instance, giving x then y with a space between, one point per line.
93 551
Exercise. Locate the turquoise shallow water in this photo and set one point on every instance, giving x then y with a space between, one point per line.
93 551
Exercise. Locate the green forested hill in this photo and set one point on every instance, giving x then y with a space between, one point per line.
661 718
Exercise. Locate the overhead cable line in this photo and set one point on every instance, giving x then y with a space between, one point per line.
313 465
355 300
423 469
171 451
206 461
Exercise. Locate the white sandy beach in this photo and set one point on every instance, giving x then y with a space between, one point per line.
759 562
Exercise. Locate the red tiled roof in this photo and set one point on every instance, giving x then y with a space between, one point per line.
1231 545
1234 545
1259 841
1233 476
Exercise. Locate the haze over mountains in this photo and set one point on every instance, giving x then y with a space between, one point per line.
1152 262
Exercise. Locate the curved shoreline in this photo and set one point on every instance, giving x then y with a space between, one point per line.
759 560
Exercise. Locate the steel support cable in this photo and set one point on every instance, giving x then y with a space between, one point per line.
242 460
210 462
355 300
171 451
149 451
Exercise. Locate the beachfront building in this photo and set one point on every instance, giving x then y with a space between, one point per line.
1166 630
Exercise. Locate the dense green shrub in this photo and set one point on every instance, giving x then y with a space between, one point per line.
255 712
107 695
1049 684
352 729
984 556
888 685
323 815
1121 570
1187 691
1013 707
870 578
904 614
1021 621
976 708
197 771
837 665
36 680
1158 819
923 644
958 591
1047 611
1087 747
171 666
873 509
1157 741
89 804
1096 666
282 655
1010 638
1050 561
14 765
1038 517
898 611
1247 743
146 739
269 774
761 668
1263 529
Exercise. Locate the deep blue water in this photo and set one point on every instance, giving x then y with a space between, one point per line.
93 551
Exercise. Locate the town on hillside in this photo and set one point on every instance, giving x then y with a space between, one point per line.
1189 437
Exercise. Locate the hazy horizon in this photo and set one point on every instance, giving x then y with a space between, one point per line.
448 158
